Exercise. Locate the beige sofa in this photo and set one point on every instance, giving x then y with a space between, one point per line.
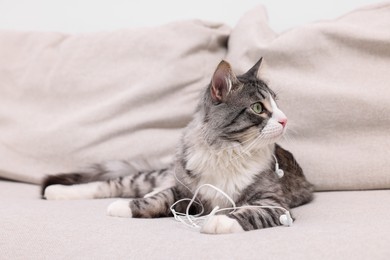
70 100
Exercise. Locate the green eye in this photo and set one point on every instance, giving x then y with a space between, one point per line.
257 108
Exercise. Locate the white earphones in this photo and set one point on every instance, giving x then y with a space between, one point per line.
279 172
196 221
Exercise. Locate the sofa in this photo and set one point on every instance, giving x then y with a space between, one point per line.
69 100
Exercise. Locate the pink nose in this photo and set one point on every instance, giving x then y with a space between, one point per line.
283 122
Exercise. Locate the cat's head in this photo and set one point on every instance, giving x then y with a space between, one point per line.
242 108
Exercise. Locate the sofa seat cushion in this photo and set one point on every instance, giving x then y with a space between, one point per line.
336 225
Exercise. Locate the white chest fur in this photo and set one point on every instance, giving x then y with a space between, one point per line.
228 168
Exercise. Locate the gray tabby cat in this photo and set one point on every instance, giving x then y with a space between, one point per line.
230 143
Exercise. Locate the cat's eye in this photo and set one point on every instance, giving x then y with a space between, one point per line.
257 108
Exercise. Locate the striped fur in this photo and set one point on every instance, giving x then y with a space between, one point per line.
107 180
230 144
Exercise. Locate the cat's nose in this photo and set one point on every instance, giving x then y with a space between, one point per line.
283 122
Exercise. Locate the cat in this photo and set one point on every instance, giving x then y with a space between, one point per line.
230 143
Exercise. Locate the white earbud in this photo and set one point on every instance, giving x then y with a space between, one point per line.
278 171
286 219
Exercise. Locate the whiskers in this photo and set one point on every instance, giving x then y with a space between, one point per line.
253 138
246 151
290 135
287 137
239 140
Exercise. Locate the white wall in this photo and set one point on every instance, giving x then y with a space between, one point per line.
95 15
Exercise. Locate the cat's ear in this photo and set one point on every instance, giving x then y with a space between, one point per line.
222 82
254 71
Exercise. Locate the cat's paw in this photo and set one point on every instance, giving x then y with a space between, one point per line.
120 208
221 224
71 192
58 192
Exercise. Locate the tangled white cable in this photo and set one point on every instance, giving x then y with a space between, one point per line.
196 221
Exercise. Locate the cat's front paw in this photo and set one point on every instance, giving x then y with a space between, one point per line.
120 208
221 224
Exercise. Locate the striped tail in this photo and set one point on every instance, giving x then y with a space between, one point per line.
110 179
